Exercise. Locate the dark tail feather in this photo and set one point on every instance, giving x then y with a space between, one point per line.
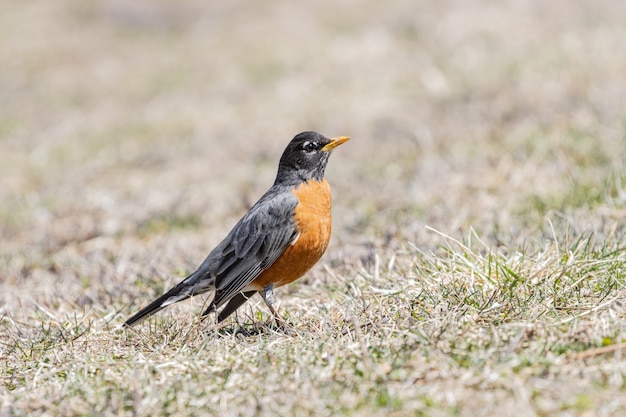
157 305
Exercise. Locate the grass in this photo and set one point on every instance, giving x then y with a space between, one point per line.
424 333
477 264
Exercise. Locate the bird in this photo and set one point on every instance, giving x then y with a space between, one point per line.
277 241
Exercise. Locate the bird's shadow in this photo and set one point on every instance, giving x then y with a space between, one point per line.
250 329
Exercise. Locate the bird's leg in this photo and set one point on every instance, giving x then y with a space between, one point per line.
268 296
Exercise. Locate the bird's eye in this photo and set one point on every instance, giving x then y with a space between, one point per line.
309 147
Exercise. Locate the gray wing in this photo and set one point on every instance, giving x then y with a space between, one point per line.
253 245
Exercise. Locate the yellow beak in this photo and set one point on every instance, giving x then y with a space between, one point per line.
334 142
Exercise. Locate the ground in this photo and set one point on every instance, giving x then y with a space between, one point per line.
477 263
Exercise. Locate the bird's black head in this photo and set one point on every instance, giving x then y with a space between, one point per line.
305 157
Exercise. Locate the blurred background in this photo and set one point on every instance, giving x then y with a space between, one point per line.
134 134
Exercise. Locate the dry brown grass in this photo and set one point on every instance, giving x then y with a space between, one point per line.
477 265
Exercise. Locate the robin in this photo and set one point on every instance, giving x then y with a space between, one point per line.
282 236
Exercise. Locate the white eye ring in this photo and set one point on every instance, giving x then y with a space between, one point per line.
309 147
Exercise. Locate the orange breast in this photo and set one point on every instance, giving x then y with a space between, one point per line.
314 221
